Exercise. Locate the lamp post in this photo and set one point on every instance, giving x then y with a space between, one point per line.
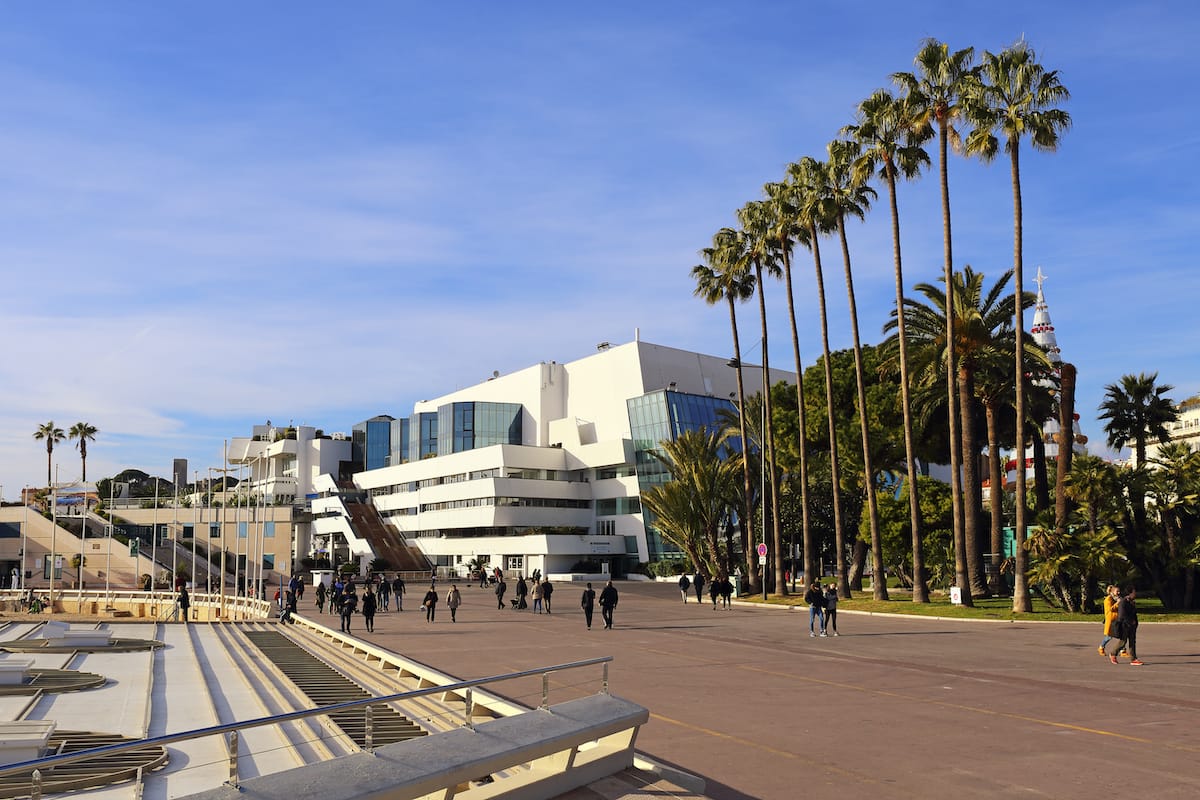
24 534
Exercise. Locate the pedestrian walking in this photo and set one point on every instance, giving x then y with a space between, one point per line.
370 603
714 591
1127 625
522 590
398 592
537 597
698 585
816 608
1111 600
547 591
430 603
453 601
321 598
831 600
588 603
608 602
385 592
726 592
347 607
185 602
684 585
501 588
483 578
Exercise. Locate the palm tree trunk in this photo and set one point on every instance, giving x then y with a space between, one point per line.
810 557
879 576
995 496
1066 424
971 504
747 512
834 472
49 455
83 457
960 560
1021 600
920 593
769 436
1041 479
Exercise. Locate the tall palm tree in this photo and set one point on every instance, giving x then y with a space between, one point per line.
1017 98
849 195
755 218
723 276
85 433
811 179
785 229
936 89
891 144
52 435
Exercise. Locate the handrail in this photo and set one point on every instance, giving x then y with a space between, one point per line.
51 762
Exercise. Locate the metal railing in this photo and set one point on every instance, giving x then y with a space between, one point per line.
48 763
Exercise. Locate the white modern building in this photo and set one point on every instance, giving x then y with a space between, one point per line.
1186 428
543 468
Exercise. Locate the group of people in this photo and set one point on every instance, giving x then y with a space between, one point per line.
537 589
822 609
1120 625
719 588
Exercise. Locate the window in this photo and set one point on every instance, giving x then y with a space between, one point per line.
606 527
516 563
57 570
189 532
214 528
243 527
268 561
269 530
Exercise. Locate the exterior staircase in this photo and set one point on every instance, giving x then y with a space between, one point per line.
385 541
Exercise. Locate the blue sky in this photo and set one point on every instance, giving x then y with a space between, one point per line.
216 214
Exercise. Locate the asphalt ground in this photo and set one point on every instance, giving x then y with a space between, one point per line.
894 707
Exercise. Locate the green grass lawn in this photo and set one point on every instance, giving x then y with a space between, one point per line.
1000 608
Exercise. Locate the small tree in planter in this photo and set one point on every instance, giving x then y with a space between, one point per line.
78 561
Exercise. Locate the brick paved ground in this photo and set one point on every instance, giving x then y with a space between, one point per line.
892 708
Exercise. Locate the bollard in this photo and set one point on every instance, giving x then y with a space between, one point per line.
545 691
35 792
469 711
604 683
369 729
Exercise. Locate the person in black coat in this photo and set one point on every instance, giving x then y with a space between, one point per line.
698 585
370 603
501 588
608 601
1127 625
816 607
348 607
184 601
522 591
588 604
430 603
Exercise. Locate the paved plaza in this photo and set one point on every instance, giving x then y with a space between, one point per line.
894 707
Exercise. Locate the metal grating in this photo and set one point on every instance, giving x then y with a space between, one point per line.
89 773
326 686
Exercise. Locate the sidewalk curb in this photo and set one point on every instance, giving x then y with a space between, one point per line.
893 615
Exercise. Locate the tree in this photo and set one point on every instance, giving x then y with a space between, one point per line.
890 143
84 433
52 435
1137 411
690 507
1016 97
723 276
754 218
936 89
811 179
785 229
849 195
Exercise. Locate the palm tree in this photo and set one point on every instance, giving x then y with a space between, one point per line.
690 507
85 433
1137 411
891 145
723 276
849 195
811 179
52 436
1017 98
785 229
754 217
935 89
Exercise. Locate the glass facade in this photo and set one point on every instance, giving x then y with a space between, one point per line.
399 449
423 441
469 426
663 416
371 442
